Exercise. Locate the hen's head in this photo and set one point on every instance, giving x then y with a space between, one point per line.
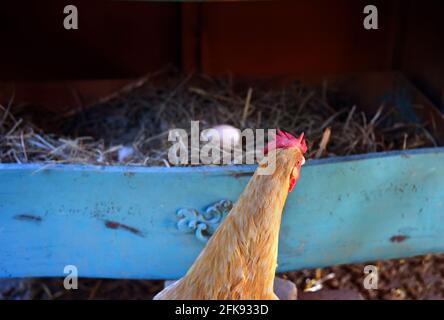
284 140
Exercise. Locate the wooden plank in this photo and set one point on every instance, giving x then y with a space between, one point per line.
121 222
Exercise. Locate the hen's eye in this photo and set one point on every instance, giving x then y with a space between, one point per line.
300 163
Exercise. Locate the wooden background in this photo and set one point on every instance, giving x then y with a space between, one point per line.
127 39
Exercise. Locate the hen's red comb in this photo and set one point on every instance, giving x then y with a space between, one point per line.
286 140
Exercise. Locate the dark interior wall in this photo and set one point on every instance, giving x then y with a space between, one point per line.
421 53
295 37
120 39
115 39
127 39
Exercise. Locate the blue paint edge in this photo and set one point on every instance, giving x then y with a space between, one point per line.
43 166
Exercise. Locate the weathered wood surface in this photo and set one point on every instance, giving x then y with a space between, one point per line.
121 222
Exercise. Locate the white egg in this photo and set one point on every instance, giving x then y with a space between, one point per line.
225 133
124 153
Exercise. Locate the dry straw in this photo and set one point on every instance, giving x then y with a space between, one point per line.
137 121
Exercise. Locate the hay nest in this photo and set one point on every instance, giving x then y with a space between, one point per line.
139 121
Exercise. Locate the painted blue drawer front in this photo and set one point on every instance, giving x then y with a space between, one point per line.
121 222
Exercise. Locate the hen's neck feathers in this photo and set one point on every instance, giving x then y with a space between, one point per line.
239 260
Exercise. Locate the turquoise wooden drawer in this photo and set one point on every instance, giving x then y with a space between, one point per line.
122 222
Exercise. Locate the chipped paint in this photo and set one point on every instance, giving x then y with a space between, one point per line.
28 217
129 174
399 238
241 174
116 225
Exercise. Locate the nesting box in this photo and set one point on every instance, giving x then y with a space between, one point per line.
151 222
